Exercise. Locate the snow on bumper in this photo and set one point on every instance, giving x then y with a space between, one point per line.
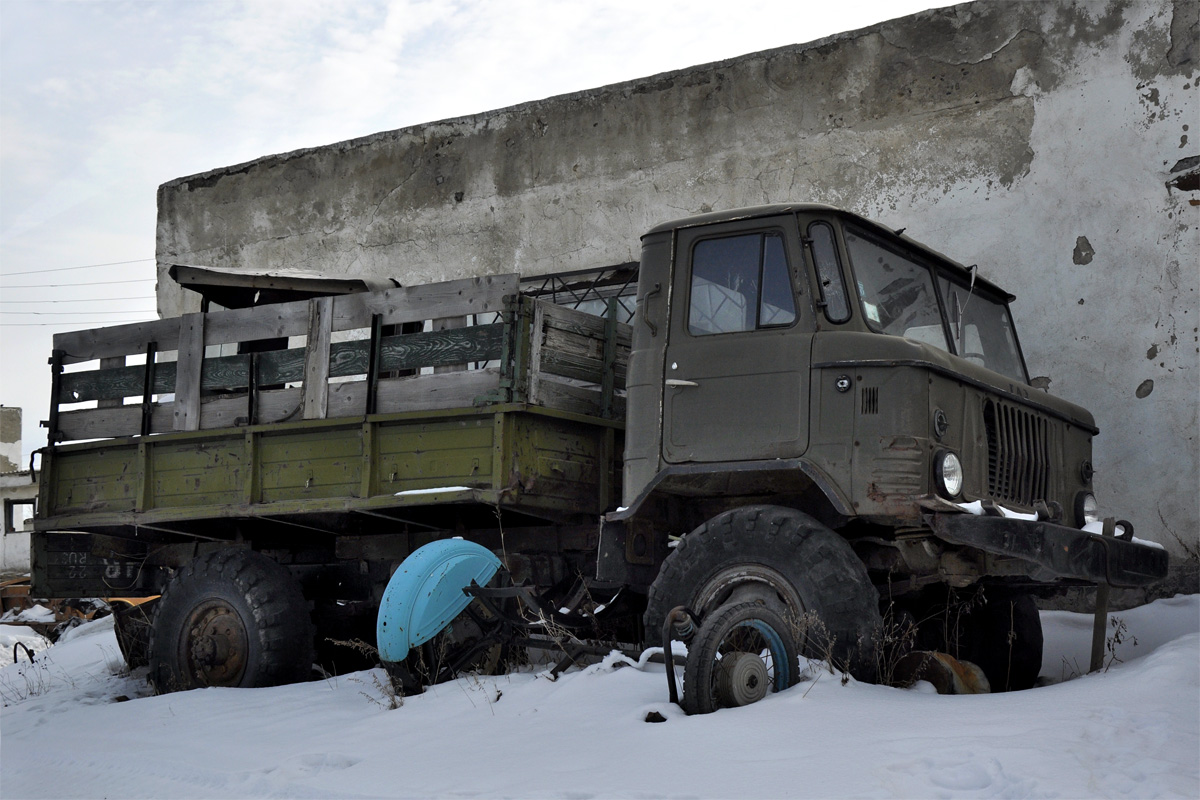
1066 552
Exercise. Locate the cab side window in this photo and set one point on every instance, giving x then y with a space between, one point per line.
740 283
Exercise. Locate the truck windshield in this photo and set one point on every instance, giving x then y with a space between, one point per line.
983 331
899 298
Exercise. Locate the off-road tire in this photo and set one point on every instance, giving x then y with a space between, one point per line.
817 565
1004 637
243 587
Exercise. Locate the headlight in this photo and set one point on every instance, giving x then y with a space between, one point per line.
949 474
1086 508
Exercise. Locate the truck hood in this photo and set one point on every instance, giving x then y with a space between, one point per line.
849 349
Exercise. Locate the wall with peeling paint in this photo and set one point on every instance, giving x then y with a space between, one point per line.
1048 142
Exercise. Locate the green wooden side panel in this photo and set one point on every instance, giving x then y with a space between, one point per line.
539 462
311 464
559 462
187 474
435 455
101 480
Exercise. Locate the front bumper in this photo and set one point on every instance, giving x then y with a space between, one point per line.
1065 552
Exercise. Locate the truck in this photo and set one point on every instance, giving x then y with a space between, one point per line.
813 436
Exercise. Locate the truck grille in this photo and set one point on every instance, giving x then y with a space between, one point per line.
1020 445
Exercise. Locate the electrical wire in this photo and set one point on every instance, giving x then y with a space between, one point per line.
78 300
83 266
72 323
138 311
69 285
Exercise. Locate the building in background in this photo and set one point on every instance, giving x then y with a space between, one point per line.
1050 143
18 495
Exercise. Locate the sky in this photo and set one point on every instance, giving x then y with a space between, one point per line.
101 101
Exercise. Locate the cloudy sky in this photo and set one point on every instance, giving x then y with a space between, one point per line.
103 100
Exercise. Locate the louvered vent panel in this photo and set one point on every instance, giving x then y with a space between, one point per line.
870 400
1019 452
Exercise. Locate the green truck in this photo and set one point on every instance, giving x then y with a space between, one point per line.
812 431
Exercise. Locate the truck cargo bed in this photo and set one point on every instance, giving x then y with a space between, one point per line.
366 405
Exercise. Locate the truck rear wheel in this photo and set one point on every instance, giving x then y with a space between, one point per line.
786 560
230 618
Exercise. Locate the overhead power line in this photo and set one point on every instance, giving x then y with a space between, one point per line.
135 311
68 285
83 266
70 323
77 300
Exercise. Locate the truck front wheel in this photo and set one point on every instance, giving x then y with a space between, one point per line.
786 560
232 617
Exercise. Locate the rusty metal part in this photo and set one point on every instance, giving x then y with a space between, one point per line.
1100 616
947 674
14 593
1064 552
132 617
681 618
217 645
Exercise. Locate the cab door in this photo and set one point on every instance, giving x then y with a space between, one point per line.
736 372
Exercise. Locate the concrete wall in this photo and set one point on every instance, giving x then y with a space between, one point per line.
1035 139
17 489
10 439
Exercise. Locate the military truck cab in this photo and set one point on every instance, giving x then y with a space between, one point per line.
802 357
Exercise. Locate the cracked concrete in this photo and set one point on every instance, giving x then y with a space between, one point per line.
1036 139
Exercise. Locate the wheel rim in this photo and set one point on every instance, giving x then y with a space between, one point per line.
746 582
215 645
741 679
740 656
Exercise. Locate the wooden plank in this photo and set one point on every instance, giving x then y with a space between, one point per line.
316 358
577 399
415 350
262 322
429 392
115 383
538 337
117 340
430 301
279 405
570 365
111 423
449 324
111 363
413 393
187 372
100 423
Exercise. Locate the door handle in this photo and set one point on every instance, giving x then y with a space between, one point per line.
680 383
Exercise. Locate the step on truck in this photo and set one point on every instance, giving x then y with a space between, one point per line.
814 437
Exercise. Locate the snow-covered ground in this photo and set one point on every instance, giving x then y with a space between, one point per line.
73 725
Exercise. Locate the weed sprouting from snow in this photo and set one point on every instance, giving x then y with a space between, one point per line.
386 694
27 679
114 662
1120 633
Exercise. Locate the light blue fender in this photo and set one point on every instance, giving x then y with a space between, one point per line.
426 592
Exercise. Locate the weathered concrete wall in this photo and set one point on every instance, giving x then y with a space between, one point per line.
10 439
17 491
1036 139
